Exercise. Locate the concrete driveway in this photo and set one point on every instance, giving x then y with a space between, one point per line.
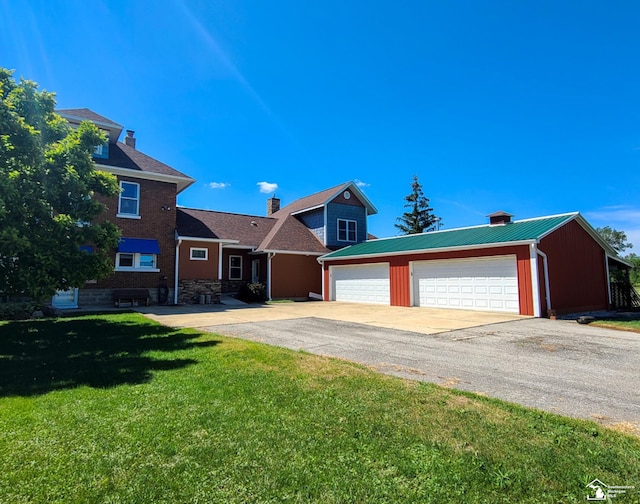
557 366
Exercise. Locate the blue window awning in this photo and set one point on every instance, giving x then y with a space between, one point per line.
138 246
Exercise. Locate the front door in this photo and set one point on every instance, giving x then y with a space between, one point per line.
255 271
65 299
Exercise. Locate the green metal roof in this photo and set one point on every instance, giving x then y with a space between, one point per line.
529 230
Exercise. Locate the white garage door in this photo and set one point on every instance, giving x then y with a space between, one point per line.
489 284
367 283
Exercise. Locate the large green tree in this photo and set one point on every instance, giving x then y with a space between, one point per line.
49 237
617 239
419 216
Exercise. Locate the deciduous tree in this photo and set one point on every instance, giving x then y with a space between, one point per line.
617 239
49 237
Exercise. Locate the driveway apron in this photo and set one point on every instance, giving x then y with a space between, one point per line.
556 366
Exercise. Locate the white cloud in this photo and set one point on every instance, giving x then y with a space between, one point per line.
267 187
615 215
360 183
218 185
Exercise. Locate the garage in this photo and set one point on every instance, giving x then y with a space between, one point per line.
360 283
487 284
538 266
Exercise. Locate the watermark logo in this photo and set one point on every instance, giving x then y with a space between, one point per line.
604 493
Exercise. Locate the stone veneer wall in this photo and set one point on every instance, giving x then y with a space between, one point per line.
232 286
189 290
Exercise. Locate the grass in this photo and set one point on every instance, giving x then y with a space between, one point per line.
116 408
624 325
628 323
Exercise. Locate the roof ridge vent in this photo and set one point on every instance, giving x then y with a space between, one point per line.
499 218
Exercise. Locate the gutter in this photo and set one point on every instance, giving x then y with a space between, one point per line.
427 251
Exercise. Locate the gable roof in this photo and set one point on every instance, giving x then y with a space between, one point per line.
323 197
123 157
518 232
85 114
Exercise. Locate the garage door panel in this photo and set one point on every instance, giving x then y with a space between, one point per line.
476 284
362 283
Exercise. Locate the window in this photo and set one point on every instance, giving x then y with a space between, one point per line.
347 230
126 261
199 254
235 267
102 150
129 200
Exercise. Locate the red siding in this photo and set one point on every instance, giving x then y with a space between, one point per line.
294 276
199 270
399 279
577 271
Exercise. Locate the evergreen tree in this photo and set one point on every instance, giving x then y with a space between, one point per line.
419 218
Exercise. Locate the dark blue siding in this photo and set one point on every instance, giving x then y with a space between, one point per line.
337 211
314 220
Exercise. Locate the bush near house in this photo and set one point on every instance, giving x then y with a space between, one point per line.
116 408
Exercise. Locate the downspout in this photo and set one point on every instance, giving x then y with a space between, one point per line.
535 282
176 272
321 263
606 265
545 265
220 264
270 255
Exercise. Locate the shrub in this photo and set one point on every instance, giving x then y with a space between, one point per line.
253 293
17 310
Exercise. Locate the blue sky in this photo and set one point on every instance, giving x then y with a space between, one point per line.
532 107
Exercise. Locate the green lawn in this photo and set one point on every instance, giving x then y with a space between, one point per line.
625 325
116 408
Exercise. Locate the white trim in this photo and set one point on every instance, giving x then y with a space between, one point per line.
240 247
305 210
428 251
270 256
545 265
136 262
606 265
535 279
291 252
208 240
193 249
412 301
346 230
181 182
231 256
137 199
220 262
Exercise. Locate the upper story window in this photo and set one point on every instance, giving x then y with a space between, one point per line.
102 150
129 204
235 267
347 230
198 254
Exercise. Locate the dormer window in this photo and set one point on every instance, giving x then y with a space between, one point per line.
347 230
102 151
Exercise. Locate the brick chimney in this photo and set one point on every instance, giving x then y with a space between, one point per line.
129 139
499 217
273 205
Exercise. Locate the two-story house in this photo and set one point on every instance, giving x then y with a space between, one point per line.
145 212
179 254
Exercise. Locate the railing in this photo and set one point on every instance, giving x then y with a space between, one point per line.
624 296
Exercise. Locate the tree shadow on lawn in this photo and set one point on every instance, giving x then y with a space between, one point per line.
41 356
